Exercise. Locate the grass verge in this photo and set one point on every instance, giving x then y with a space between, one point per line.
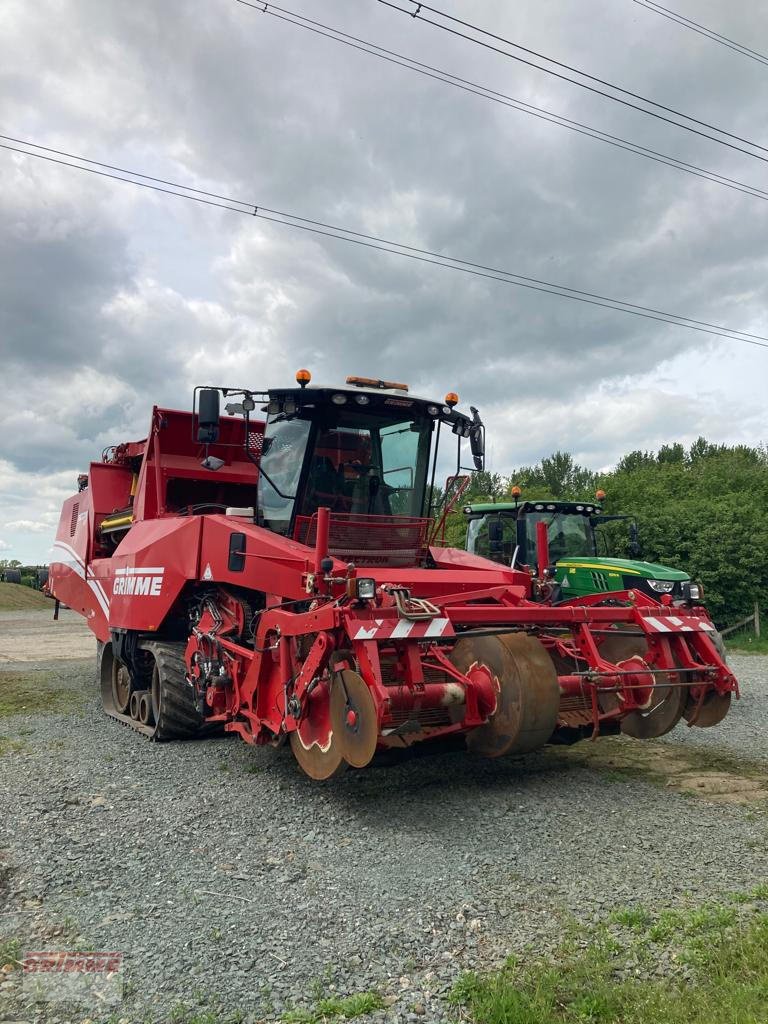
748 644
703 965
335 1008
15 597
31 693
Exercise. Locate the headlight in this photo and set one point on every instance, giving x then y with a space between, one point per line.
662 586
693 592
365 588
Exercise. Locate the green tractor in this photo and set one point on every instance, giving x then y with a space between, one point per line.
510 532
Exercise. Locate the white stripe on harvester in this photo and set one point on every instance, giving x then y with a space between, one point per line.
402 629
436 627
661 626
76 564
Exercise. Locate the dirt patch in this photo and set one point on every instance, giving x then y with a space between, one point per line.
711 776
32 636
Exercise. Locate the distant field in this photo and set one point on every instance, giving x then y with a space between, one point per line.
14 596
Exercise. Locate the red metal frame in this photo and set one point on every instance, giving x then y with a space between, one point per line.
305 618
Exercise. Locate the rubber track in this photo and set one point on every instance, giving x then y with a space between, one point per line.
179 717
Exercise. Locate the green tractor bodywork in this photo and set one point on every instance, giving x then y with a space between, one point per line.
506 532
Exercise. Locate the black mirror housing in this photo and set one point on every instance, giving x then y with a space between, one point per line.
208 416
477 439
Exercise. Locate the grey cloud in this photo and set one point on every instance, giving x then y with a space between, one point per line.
151 295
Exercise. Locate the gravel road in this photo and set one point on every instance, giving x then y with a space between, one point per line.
229 880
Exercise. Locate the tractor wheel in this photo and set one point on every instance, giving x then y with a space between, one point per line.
667 702
314 743
528 695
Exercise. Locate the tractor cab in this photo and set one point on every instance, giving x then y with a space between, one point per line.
367 451
508 532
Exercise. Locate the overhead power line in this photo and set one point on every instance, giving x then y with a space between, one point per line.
696 26
484 92
326 230
418 15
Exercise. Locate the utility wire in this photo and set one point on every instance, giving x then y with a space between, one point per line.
321 228
484 92
574 81
696 26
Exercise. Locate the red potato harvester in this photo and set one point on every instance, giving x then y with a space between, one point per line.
288 580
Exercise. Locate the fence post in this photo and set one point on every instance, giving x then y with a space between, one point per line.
757 621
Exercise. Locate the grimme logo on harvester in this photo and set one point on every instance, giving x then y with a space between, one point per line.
145 582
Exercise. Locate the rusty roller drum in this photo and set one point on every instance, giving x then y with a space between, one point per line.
528 695
667 702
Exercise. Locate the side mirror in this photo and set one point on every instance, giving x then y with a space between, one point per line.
477 439
208 416
635 548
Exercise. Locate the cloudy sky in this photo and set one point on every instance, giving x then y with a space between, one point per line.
113 297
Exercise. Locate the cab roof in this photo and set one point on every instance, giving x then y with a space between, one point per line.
541 505
369 397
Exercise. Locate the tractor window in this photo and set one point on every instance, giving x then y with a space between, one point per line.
282 457
497 543
570 536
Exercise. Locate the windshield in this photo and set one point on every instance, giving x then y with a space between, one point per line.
354 462
569 536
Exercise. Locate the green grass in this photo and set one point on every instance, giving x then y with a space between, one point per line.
716 972
16 597
10 953
28 693
748 643
334 1008
10 746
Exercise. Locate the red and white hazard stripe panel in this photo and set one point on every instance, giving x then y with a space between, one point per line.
678 623
403 629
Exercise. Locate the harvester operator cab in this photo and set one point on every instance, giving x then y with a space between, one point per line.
367 451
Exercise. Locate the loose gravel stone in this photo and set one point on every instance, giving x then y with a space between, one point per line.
229 880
